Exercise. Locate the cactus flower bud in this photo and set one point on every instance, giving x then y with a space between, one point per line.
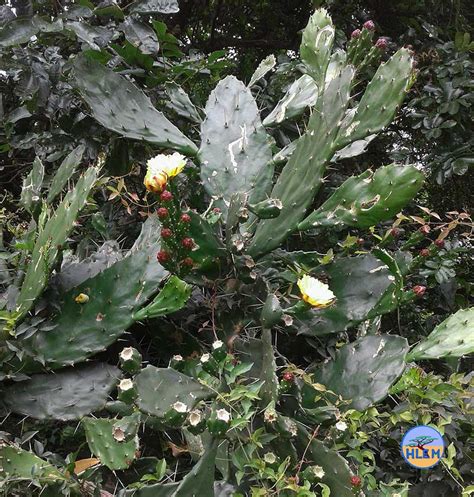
355 33
341 426
187 261
187 243
356 481
369 25
185 218
163 256
166 233
208 363
439 243
166 196
82 298
419 290
381 43
216 210
424 252
176 362
162 212
289 377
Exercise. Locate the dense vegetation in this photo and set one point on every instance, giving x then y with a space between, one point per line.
235 254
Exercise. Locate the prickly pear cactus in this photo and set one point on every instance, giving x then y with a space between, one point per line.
160 388
115 446
364 371
235 151
113 295
51 237
68 394
454 337
121 107
367 199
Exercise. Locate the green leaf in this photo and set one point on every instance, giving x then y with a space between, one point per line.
65 172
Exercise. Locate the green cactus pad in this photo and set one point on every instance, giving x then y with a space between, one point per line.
359 284
108 441
303 93
159 388
302 176
180 103
51 238
121 107
208 245
114 294
32 184
199 482
235 151
64 173
454 337
383 95
271 311
266 65
68 394
269 391
337 475
364 371
316 45
18 463
367 199
171 298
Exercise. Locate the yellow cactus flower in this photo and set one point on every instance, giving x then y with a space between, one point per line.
315 292
82 298
160 169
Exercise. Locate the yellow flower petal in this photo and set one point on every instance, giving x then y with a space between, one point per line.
315 292
82 298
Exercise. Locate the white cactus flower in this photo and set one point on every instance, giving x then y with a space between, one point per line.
223 415
315 292
180 407
126 384
341 426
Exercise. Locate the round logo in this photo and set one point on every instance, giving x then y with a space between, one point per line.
422 447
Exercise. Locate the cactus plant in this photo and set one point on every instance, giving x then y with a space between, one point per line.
16 462
235 151
266 65
337 474
159 388
198 482
32 184
359 284
130 112
114 442
364 371
68 394
64 173
316 45
52 236
180 102
302 175
452 338
114 294
171 298
367 199
303 93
